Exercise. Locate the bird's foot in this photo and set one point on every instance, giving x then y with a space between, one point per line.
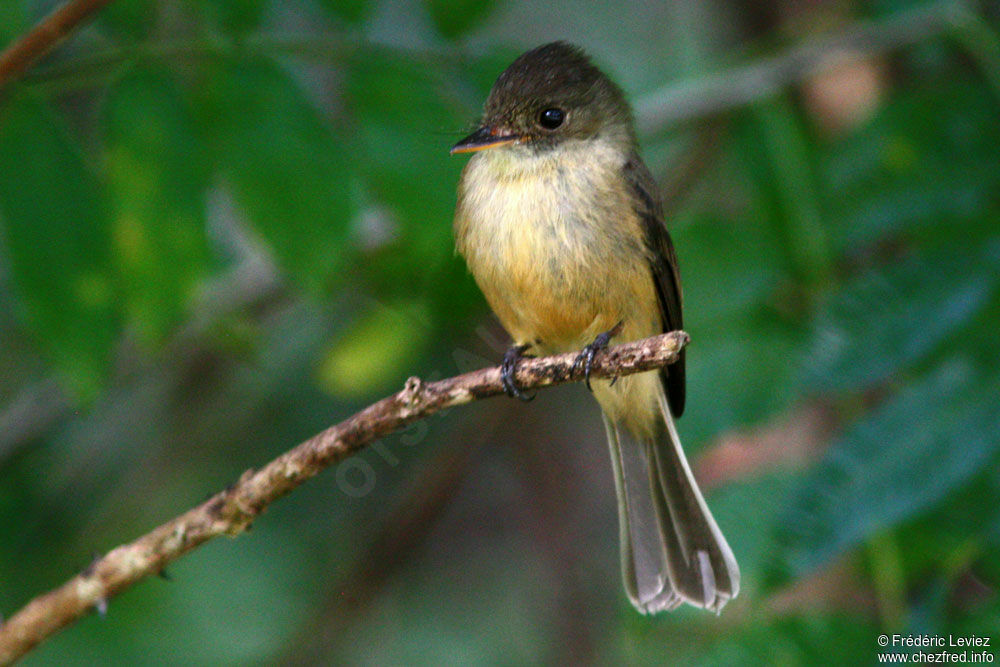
509 367
586 356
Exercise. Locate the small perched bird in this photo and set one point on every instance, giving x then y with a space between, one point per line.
560 223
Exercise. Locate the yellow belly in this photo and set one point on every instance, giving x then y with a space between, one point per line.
558 253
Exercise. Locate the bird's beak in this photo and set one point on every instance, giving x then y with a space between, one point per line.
484 137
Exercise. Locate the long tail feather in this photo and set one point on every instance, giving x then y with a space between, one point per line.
671 548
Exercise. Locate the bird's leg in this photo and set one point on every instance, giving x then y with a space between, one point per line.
586 356
508 368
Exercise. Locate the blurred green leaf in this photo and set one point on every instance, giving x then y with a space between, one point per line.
746 361
949 194
728 267
981 42
884 321
129 20
407 126
157 173
236 604
927 156
816 639
452 18
897 462
290 171
952 535
376 351
11 21
401 92
982 623
233 16
510 580
791 179
928 609
57 239
750 513
351 11
924 127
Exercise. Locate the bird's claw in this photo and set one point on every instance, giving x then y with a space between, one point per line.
586 356
507 370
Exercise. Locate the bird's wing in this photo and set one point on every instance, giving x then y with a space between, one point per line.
666 274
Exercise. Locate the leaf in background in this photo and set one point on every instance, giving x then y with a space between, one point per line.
922 128
928 607
57 239
950 536
129 20
738 374
157 174
982 623
750 512
732 273
455 17
11 21
928 156
886 320
951 193
241 605
790 178
375 351
729 267
407 126
807 639
352 11
289 171
993 531
233 16
894 464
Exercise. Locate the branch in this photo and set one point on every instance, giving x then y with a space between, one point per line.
231 511
41 39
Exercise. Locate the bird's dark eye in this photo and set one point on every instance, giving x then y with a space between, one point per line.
550 119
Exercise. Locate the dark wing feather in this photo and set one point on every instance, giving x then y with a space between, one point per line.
666 274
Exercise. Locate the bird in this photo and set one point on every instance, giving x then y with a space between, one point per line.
560 223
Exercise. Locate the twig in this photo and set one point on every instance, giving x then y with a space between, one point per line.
44 36
231 511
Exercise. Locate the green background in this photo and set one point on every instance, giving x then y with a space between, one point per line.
225 226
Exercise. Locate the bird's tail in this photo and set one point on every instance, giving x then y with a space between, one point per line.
672 551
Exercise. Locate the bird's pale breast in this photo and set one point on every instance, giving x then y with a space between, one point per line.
555 245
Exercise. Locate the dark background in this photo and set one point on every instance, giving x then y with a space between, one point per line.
225 226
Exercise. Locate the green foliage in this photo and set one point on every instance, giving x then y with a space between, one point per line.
380 346
352 11
12 21
937 432
57 240
157 177
788 180
830 640
289 170
406 122
926 162
233 16
856 334
129 20
756 379
452 18
226 225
